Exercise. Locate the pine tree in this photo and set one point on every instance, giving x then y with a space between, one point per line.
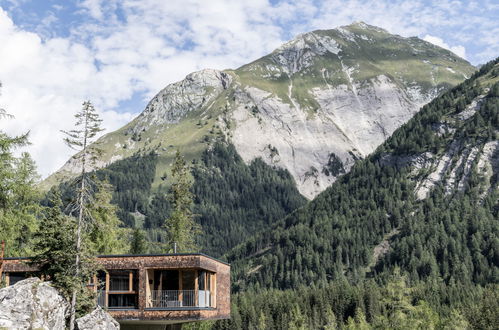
138 244
106 232
55 246
180 225
18 195
87 127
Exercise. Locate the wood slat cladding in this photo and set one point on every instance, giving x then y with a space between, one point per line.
156 261
144 266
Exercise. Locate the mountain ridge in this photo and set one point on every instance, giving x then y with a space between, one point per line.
425 201
262 107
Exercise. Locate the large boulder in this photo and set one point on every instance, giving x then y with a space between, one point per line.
97 320
32 304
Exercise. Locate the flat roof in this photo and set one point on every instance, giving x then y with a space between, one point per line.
140 255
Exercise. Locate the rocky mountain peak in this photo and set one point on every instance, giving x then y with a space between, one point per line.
175 101
364 26
313 106
299 53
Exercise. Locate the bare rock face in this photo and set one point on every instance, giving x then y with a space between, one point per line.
32 304
349 125
97 320
175 101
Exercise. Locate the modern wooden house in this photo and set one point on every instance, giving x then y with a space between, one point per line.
152 289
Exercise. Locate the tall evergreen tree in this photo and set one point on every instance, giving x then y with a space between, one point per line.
106 232
55 246
19 206
80 138
138 244
56 250
181 226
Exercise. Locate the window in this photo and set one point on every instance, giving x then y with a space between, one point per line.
202 280
125 280
16 277
188 282
122 301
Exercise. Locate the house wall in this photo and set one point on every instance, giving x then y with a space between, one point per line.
144 263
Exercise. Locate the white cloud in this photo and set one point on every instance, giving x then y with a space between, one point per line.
107 61
458 50
44 84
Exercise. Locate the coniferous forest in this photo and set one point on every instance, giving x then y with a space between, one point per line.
441 269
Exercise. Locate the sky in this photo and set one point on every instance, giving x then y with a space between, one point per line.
54 54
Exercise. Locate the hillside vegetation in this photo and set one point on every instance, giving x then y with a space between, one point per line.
451 232
375 250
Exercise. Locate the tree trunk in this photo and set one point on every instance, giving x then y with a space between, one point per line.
81 205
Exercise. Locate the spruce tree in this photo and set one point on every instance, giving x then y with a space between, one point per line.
80 138
181 227
106 230
56 250
19 206
55 246
138 244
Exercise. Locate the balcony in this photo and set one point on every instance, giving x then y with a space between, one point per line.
180 289
164 299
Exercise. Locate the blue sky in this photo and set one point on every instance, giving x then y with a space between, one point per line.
56 53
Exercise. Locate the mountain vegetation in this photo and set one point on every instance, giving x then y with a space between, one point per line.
455 225
372 251
231 199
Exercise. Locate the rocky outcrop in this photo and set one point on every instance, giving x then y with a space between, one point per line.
32 304
350 123
97 320
451 167
175 101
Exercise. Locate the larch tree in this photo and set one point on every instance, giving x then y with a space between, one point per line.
106 231
181 227
87 127
138 244
19 199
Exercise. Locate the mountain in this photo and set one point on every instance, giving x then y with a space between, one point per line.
266 136
313 106
426 202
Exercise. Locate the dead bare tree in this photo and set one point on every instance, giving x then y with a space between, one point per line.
87 126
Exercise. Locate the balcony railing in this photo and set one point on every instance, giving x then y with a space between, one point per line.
180 298
101 298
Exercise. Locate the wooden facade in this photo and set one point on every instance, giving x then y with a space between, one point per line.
153 289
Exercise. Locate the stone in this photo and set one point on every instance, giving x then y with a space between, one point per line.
99 319
32 304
